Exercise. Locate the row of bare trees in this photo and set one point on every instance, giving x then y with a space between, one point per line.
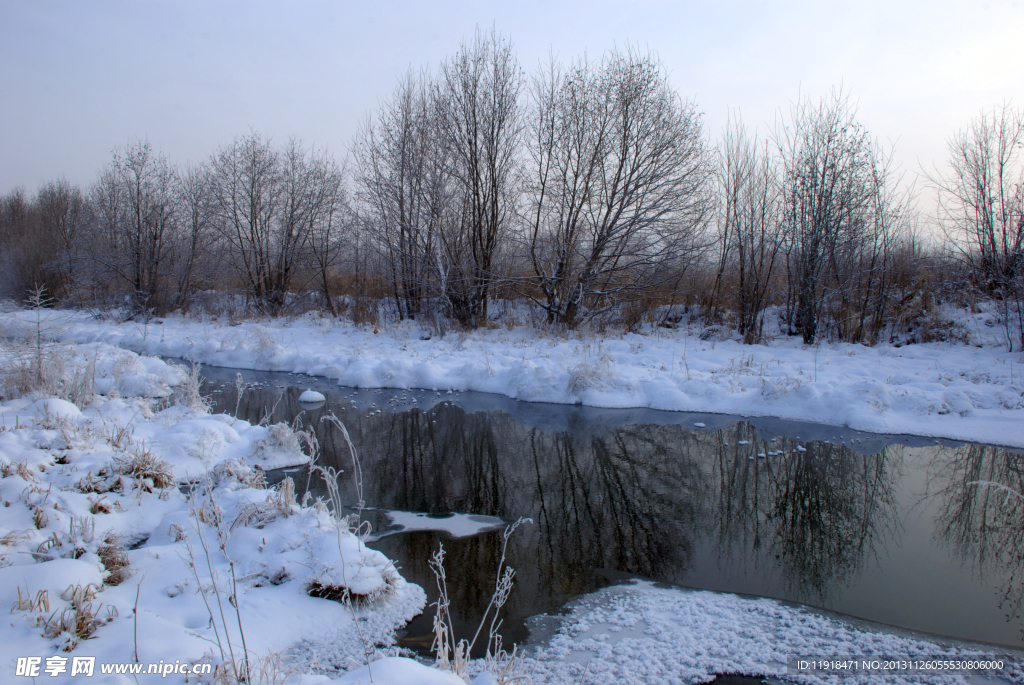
589 190
811 220
258 217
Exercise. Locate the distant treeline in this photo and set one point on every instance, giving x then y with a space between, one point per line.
590 190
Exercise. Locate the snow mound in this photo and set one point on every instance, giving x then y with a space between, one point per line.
56 408
311 397
401 671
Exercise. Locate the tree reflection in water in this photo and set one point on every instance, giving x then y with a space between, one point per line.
670 504
633 500
813 518
981 523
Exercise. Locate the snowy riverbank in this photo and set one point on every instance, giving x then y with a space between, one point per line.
948 390
102 555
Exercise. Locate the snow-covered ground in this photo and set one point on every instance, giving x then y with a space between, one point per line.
641 633
95 531
949 390
97 536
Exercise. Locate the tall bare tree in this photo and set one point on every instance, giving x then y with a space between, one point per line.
750 220
194 258
247 182
617 184
135 202
826 157
480 126
320 210
62 212
981 207
23 257
403 187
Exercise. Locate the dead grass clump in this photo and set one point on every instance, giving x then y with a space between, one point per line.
49 371
14 537
279 503
21 468
364 310
140 468
145 468
80 621
100 505
238 471
115 560
40 603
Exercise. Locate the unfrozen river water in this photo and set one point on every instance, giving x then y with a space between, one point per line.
892 529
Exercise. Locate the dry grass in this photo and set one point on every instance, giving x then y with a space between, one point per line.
40 603
189 393
14 537
80 621
145 468
100 505
278 504
48 371
115 560
238 472
20 468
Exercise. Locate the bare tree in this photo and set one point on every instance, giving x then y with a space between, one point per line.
23 256
981 207
402 185
750 221
617 183
826 157
61 209
325 217
196 236
135 202
480 125
845 212
247 179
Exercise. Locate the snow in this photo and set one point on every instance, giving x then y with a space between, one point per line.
401 672
455 525
68 492
312 397
641 633
947 390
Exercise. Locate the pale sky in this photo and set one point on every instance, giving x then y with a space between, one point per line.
81 78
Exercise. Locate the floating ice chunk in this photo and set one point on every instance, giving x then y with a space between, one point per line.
699 425
311 396
456 525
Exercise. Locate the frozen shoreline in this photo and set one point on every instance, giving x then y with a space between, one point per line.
938 390
56 459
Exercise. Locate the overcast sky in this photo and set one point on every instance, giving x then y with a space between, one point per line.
81 78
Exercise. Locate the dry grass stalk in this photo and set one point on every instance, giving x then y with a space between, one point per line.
453 655
115 560
27 603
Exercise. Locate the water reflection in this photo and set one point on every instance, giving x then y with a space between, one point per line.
982 517
817 522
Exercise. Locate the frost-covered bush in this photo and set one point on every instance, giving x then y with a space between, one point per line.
47 371
188 393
